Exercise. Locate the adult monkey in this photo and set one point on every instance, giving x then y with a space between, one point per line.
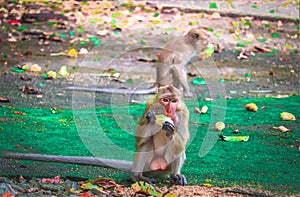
171 67
162 147
177 53
159 147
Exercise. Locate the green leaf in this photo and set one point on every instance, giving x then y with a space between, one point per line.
240 45
210 29
17 70
275 35
261 39
198 81
213 5
156 15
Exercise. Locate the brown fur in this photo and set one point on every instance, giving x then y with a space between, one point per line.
176 55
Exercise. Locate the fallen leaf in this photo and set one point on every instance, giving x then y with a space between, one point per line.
251 107
63 71
197 110
219 126
72 53
35 68
281 128
287 116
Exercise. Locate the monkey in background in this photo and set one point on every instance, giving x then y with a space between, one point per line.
171 67
172 61
162 147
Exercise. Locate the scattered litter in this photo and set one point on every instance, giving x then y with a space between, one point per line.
279 96
39 96
63 71
281 128
215 15
17 70
55 180
261 91
198 81
90 186
208 99
51 74
35 68
219 126
19 113
262 49
251 107
4 100
235 131
102 32
10 192
25 67
202 111
148 189
30 90
287 116
206 184
83 51
213 5
242 55
235 138
197 110
72 53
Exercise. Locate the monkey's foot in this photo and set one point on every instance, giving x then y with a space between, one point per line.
136 178
178 179
188 94
158 164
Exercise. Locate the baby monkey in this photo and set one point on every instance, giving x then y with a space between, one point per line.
172 61
161 146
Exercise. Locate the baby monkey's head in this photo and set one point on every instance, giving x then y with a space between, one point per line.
199 34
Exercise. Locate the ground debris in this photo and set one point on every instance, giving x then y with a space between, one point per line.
36 187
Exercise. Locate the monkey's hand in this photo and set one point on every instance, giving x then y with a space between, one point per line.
169 128
151 116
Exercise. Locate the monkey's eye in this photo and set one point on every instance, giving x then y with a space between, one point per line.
166 100
196 35
169 100
174 100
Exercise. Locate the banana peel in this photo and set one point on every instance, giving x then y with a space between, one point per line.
244 138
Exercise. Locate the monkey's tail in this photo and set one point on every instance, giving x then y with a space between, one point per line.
107 163
151 90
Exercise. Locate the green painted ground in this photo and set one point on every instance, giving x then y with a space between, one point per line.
269 160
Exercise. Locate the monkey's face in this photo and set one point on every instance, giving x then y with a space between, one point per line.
199 35
170 105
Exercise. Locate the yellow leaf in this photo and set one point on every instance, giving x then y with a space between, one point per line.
72 53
